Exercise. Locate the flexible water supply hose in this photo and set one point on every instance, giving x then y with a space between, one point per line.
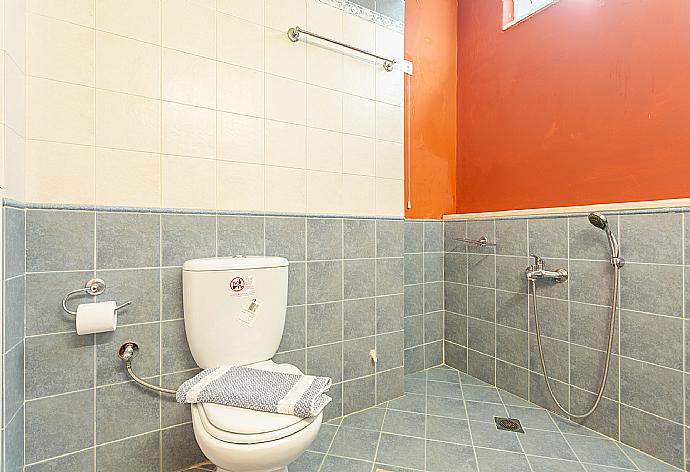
616 274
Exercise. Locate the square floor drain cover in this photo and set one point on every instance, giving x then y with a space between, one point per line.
508 424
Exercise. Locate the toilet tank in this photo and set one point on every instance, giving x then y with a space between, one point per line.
234 308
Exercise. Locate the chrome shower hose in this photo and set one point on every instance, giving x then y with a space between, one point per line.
602 386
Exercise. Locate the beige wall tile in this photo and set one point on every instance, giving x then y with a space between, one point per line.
359 32
60 50
283 57
61 112
15 97
285 189
15 31
390 160
240 186
240 90
324 192
359 195
324 150
189 131
250 11
390 86
128 178
359 155
359 116
389 123
240 138
127 65
324 108
127 122
285 100
389 197
359 76
15 165
189 79
389 43
188 182
284 14
76 11
60 173
189 26
325 19
240 42
324 66
137 19
286 144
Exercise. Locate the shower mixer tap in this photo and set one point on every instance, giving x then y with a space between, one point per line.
536 271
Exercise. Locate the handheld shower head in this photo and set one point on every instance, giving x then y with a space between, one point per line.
600 221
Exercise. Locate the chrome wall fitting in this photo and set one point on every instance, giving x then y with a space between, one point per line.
129 351
294 33
482 242
537 271
93 287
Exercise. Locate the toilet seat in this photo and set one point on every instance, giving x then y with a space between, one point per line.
243 426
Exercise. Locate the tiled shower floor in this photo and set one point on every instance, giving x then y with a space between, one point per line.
444 423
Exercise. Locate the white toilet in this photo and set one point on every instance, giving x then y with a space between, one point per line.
221 331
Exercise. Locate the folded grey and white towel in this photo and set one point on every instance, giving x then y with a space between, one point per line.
261 390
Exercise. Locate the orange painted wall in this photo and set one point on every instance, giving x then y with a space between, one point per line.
431 44
587 102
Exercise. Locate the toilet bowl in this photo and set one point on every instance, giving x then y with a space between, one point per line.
234 314
241 440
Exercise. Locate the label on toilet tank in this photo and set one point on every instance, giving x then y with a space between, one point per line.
248 313
242 287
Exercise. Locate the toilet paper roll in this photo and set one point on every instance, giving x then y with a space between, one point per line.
96 317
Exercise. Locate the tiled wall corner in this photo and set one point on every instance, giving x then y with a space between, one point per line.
490 326
345 298
424 317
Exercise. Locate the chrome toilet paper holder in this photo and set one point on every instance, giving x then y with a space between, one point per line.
93 287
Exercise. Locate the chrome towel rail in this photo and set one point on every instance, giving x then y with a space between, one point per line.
294 33
483 242
129 351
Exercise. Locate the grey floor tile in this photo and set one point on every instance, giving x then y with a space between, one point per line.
481 394
443 389
450 430
415 386
598 451
484 411
645 462
339 464
545 444
355 443
371 418
401 450
444 457
533 418
544 464
307 462
404 423
443 374
486 435
448 407
324 438
409 402
498 461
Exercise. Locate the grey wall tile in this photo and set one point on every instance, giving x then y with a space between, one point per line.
654 389
335 408
324 323
662 290
512 345
414 268
413 359
455 328
512 378
388 350
359 239
511 237
652 338
653 435
359 318
390 238
555 357
433 267
389 313
476 230
603 420
141 453
455 356
324 281
13 436
455 298
511 309
414 236
297 280
296 358
171 293
481 336
588 241
433 297
14 318
359 278
414 331
14 229
356 360
44 291
359 394
586 368
414 299
591 282
47 420
324 238
433 327
110 369
58 363
13 387
481 303
124 410
389 385
433 236
140 286
240 235
482 270
481 366
510 273
326 360
285 237
389 276
652 238
81 461
553 318
175 354
455 267
589 325
539 395
173 413
179 448
185 237
294 334
453 230
127 240
548 237
59 240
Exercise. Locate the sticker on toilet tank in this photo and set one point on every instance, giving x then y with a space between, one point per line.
248 313
242 287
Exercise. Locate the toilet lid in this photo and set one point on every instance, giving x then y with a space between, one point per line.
243 421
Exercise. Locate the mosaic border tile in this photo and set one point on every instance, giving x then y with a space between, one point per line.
369 15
